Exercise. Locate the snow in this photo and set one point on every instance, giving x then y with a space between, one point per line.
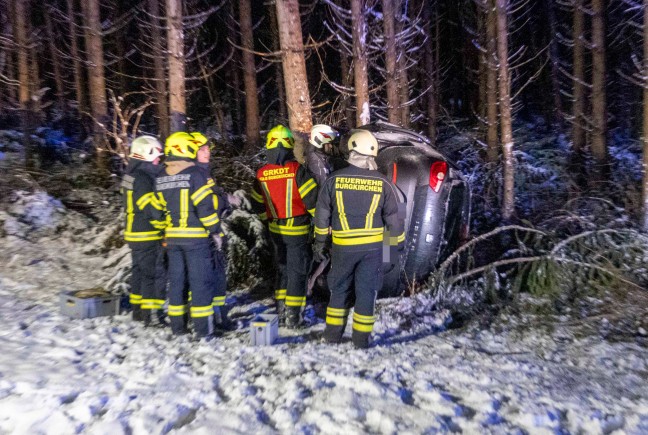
112 376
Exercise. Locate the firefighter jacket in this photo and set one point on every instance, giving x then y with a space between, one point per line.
318 164
185 191
285 194
222 204
360 206
144 215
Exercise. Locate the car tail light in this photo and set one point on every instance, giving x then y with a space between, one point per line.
438 172
394 174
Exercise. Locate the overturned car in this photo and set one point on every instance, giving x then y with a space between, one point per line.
436 199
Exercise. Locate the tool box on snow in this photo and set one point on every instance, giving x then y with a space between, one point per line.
85 304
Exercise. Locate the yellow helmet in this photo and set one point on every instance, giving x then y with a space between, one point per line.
181 144
280 136
201 138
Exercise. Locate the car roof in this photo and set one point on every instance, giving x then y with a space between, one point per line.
389 135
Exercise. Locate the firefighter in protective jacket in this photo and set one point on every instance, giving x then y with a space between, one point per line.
186 193
144 225
358 206
318 154
285 194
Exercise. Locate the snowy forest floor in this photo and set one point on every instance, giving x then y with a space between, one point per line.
110 375
518 370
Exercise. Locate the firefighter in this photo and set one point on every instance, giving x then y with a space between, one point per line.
192 220
285 194
318 155
144 225
357 205
220 252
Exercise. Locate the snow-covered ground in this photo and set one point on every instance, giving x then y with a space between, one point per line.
112 376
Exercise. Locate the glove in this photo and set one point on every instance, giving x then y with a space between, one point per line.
319 251
220 242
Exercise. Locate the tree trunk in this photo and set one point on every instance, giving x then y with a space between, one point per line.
401 68
347 83
76 60
281 91
96 78
554 58
360 66
645 116
391 82
578 107
430 72
20 26
252 124
599 115
294 69
234 72
159 73
54 57
508 166
492 146
176 62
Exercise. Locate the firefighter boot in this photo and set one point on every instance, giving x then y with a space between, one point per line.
333 333
281 310
137 313
361 340
221 321
293 317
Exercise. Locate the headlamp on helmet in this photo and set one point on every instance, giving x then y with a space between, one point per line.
146 148
322 134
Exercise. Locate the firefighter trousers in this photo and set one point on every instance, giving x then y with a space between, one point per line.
364 270
147 294
293 258
220 286
191 267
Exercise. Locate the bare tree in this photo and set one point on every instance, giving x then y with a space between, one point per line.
490 67
391 82
599 103
20 12
645 117
508 162
54 57
578 105
431 67
360 64
294 67
96 78
159 71
74 55
176 62
252 121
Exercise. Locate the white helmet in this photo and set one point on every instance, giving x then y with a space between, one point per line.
145 148
363 142
322 134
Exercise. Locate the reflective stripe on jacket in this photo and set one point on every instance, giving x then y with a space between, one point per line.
359 206
144 215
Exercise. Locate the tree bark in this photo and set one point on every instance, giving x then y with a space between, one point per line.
391 82
645 116
578 107
54 58
360 64
508 165
76 59
347 83
294 69
554 58
401 68
96 78
176 62
234 72
21 30
159 73
430 72
492 146
281 91
252 122
599 113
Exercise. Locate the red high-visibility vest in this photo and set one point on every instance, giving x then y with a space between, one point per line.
281 192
